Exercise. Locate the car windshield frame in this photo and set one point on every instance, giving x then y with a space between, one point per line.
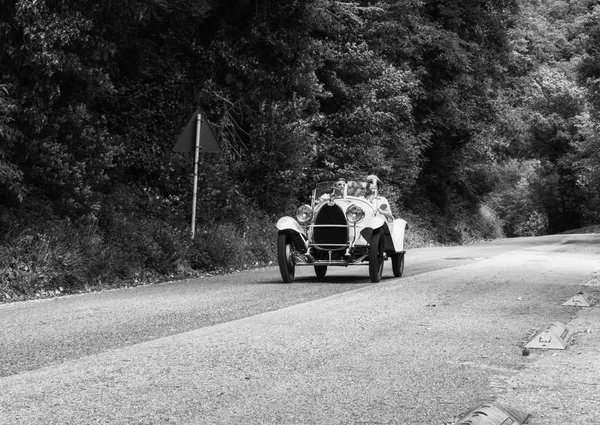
335 189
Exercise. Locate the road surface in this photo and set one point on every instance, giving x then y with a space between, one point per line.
246 349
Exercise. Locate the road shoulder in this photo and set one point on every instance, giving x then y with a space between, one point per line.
562 386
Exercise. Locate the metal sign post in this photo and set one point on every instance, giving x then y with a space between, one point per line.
196 159
194 137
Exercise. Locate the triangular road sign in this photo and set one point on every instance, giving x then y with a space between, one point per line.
555 336
581 299
186 142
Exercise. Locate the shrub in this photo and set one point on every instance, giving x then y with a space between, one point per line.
234 246
535 225
487 224
57 258
217 248
420 232
148 244
517 201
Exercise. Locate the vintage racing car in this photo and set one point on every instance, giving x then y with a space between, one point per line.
340 228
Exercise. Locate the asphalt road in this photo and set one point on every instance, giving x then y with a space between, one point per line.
247 349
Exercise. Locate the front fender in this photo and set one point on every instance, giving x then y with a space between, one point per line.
288 223
397 233
373 224
394 233
298 234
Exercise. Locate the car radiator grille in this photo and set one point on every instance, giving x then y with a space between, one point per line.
327 236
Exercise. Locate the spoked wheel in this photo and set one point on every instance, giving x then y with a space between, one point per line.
320 271
376 256
287 265
398 264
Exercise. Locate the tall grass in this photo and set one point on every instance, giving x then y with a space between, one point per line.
55 258
65 257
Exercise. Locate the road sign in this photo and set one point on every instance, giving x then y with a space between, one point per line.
197 136
186 142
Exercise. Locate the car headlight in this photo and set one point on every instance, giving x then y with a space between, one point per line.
354 214
304 214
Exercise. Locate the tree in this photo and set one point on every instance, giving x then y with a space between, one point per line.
11 176
51 60
463 50
546 109
588 147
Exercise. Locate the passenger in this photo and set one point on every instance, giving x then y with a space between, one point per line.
356 189
381 204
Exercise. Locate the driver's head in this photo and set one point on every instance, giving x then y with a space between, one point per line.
339 184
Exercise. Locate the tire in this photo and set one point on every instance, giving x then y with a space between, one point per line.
320 271
398 264
287 267
376 256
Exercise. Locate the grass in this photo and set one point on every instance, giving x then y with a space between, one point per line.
64 257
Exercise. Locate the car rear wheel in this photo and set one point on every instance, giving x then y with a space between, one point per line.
398 264
320 271
376 256
287 266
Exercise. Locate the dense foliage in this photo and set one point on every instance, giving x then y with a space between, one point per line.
482 117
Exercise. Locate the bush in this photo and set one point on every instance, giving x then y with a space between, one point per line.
535 225
517 201
420 232
486 224
428 226
216 248
146 244
234 246
128 245
54 259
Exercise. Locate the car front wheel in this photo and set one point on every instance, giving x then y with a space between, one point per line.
398 264
376 256
287 266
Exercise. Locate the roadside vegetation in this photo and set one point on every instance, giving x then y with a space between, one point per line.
481 117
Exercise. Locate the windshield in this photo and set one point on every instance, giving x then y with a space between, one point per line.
340 189
330 190
357 188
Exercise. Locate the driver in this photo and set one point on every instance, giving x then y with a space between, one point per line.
339 187
336 190
381 204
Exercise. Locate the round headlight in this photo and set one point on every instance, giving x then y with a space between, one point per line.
354 214
304 214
